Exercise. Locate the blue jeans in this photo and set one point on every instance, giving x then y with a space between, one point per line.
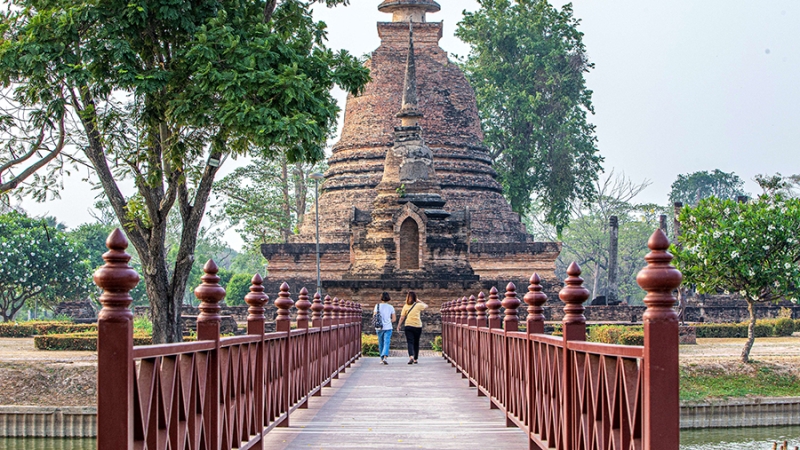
384 339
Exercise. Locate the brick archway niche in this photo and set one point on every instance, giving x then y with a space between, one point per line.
409 245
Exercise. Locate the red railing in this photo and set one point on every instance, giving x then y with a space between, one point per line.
217 393
566 393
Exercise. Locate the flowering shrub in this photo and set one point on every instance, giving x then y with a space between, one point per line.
747 248
38 262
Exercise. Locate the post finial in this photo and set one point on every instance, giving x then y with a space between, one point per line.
659 278
116 278
535 299
284 302
573 295
493 305
303 305
511 303
256 299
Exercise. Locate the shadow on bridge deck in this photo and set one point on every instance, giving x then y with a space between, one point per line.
399 406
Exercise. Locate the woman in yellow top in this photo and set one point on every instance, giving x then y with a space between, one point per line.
411 315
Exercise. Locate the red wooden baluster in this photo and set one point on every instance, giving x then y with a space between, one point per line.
328 309
283 324
661 404
316 311
511 303
574 326
303 305
210 294
115 363
493 305
535 298
480 310
256 319
471 316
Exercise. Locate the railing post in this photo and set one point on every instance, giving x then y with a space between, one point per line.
480 310
510 325
115 364
661 403
283 324
316 311
256 299
574 327
316 321
303 305
210 293
335 316
493 305
480 322
535 299
327 321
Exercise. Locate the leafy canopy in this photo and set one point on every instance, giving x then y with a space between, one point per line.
689 189
748 248
527 63
39 263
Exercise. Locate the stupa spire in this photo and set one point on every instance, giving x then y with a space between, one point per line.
409 112
409 10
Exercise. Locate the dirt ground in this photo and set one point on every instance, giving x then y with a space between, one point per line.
56 378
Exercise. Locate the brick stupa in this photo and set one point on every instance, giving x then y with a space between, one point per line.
410 200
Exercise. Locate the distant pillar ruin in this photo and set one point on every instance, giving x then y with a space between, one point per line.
613 246
676 224
662 223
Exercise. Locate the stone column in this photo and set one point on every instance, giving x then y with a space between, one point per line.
676 224
613 247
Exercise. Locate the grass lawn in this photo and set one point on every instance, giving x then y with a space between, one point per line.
757 379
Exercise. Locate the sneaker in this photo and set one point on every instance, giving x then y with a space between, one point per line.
416 362
411 361
385 363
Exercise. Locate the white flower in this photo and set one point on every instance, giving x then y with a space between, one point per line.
734 255
771 228
717 234
751 273
744 241
787 265
794 300
743 293
766 247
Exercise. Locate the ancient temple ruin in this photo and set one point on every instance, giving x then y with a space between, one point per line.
410 200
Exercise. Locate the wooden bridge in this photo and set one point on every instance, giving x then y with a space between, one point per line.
306 385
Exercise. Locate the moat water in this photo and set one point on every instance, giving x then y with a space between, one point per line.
701 439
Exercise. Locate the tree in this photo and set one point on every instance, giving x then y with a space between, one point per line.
689 189
747 248
38 263
160 92
265 200
527 63
237 288
586 238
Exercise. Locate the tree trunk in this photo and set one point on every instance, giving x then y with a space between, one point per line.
751 331
285 203
596 280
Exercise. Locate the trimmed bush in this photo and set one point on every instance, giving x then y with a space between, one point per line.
616 334
30 329
784 327
764 328
369 345
79 341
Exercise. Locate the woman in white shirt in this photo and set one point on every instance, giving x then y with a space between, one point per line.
387 316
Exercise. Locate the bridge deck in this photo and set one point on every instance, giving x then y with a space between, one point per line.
399 406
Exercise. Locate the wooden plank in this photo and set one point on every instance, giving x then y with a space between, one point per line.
398 406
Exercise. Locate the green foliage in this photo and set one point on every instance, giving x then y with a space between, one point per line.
369 345
79 341
748 248
586 239
265 200
142 325
39 263
689 189
764 328
33 328
436 343
784 327
237 288
150 92
527 63
753 380
616 334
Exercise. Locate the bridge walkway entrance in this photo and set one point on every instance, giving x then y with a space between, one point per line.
398 406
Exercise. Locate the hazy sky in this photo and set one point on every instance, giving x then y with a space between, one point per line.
679 86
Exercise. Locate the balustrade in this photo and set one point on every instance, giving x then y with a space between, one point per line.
217 393
564 392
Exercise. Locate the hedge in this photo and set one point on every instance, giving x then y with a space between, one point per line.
764 328
616 334
79 341
369 345
29 329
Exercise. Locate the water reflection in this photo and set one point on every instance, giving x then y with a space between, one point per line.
47 444
739 438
